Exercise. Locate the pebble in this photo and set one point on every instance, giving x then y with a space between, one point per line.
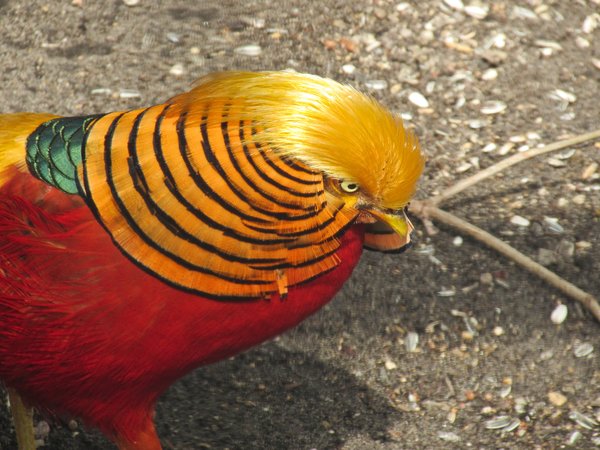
520 221
489 74
248 50
546 257
486 278
559 314
579 199
177 70
498 331
390 365
131 2
418 99
457 241
349 69
556 398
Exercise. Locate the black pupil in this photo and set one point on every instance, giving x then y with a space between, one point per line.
351 187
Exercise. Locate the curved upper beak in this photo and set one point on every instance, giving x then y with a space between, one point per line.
397 222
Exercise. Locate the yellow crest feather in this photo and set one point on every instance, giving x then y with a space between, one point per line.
329 126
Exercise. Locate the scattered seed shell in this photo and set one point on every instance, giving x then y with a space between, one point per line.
411 341
129 93
583 349
248 50
456 4
589 171
376 85
418 99
520 221
493 107
448 436
583 420
498 422
559 314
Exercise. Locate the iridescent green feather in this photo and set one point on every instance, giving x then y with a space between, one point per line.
55 150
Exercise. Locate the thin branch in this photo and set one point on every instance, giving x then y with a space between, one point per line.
511 160
426 209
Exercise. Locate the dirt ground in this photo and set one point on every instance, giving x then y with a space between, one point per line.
494 77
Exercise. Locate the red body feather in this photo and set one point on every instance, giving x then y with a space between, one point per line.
87 333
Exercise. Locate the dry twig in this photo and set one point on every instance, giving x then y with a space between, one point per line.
428 209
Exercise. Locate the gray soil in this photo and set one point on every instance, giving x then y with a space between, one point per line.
345 378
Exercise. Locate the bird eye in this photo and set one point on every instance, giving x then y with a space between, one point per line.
348 186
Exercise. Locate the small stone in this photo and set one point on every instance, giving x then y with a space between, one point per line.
349 69
559 314
418 99
467 336
349 44
579 199
546 257
486 279
131 2
489 74
380 13
562 95
177 70
457 241
494 57
390 365
589 171
498 331
556 398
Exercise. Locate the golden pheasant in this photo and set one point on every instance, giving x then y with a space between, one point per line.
136 246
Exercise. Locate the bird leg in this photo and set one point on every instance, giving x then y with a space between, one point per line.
23 421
